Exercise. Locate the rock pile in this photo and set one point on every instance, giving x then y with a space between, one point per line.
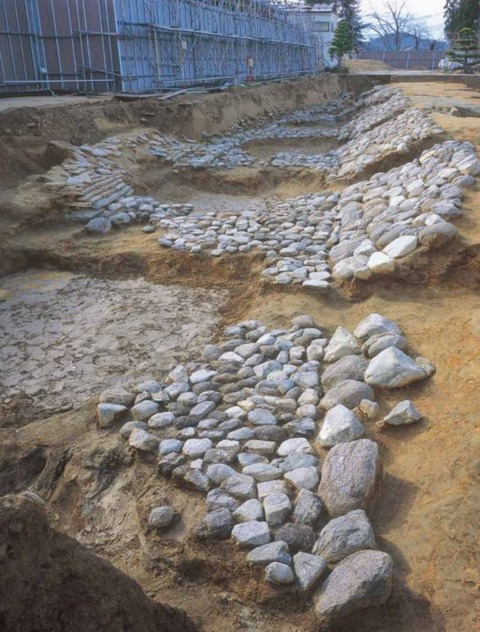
361 233
243 425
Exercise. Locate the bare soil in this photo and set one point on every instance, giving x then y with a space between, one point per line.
426 514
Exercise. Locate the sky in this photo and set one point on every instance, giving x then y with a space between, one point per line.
429 11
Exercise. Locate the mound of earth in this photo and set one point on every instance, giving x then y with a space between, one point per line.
50 582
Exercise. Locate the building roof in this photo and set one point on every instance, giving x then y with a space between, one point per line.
301 6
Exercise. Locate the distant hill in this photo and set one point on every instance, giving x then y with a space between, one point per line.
408 43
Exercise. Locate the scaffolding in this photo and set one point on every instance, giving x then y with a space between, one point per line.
142 46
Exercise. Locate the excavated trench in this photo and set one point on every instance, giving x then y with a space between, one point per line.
80 313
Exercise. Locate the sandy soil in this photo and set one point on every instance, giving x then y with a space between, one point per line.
67 337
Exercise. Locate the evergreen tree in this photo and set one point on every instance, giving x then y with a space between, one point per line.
460 14
342 42
349 10
465 49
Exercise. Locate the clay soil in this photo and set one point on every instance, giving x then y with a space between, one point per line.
426 512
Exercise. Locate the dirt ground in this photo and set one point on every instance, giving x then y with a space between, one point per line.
426 514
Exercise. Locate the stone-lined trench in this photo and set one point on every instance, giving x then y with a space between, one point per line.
269 424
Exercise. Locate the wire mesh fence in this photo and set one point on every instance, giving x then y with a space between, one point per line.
406 59
141 46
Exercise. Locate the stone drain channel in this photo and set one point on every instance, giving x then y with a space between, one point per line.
268 424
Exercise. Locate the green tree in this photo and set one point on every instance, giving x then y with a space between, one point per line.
349 10
342 42
460 14
465 49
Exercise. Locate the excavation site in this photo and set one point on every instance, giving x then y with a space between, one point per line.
239 371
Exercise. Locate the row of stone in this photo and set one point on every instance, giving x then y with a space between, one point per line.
253 402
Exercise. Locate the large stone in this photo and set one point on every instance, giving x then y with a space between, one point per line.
144 410
437 235
299 537
99 225
277 509
195 448
272 552
345 535
218 524
361 580
162 517
303 478
350 367
375 324
249 510
143 441
279 574
291 446
348 476
308 569
349 393
308 508
339 425
380 263
240 486
296 460
108 413
263 472
341 344
401 246
378 343
251 534
404 413
261 417
393 369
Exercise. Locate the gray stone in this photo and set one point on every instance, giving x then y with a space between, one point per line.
348 393
99 225
308 570
350 367
361 580
393 369
240 486
161 420
375 324
303 478
272 552
260 447
290 446
191 478
127 428
403 413
368 408
217 498
308 508
378 343
261 417
108 413
340 425
277 508
218 472
345 535
218 524
341 344
144 410
272 487
296 460
202 410
143 441
263 472
169 446
251 534
161 517
348 476
279 574
195 448
249 510
437 235
299 537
